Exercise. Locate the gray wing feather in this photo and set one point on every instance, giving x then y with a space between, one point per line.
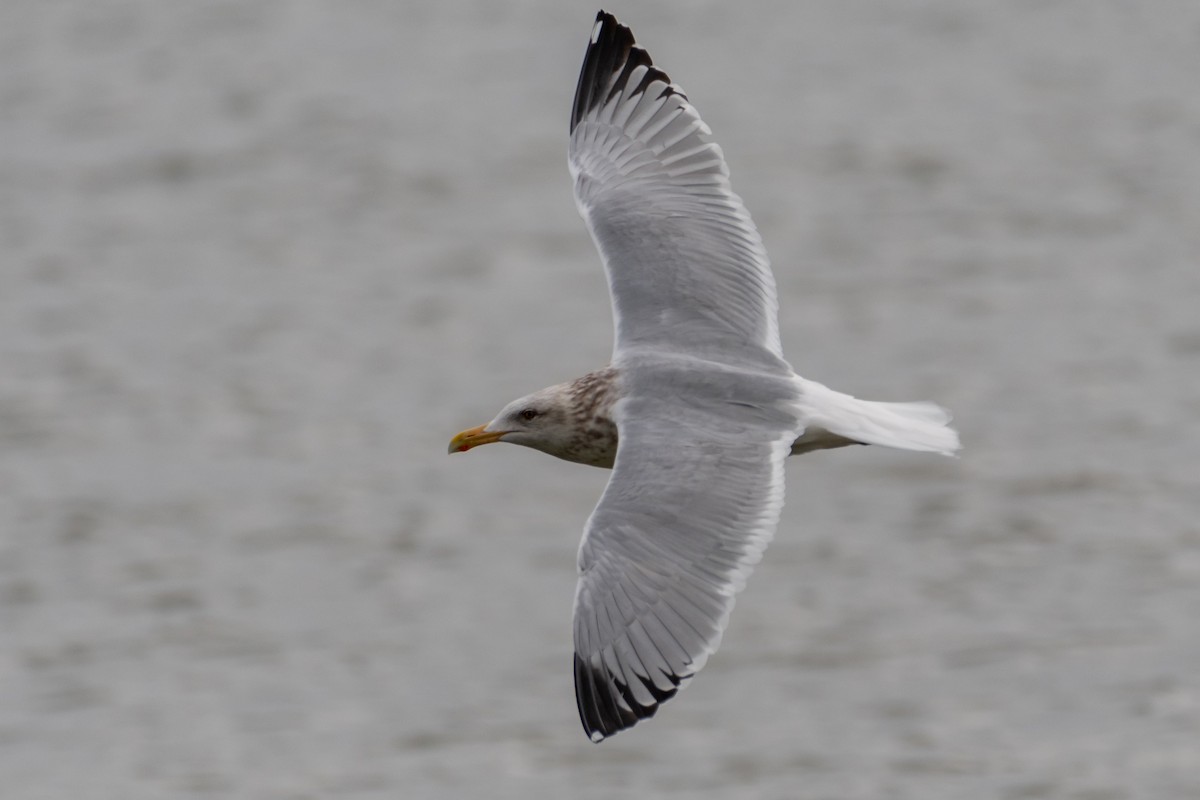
693 500
687 269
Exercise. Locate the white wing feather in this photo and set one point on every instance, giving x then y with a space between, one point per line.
686 267
693 500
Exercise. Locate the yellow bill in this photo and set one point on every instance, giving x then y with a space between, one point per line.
473 437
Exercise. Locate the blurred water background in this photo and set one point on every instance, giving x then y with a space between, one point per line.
259 260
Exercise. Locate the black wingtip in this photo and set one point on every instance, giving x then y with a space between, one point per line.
610 49
597 692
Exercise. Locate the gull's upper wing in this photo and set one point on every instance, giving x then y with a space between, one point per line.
694 497
686 267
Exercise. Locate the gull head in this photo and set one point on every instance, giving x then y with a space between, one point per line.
572 421
542 420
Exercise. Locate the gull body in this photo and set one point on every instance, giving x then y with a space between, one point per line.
697 410
574 421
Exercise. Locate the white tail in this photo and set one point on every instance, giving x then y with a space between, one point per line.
833 419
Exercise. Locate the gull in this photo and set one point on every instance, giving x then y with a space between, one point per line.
697 409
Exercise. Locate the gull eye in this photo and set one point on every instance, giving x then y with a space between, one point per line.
529 414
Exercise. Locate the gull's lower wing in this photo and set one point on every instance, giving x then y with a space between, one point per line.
694 497
686 266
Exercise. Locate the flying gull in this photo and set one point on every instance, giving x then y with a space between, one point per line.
697 410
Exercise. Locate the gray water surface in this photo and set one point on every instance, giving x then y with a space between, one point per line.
259 260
